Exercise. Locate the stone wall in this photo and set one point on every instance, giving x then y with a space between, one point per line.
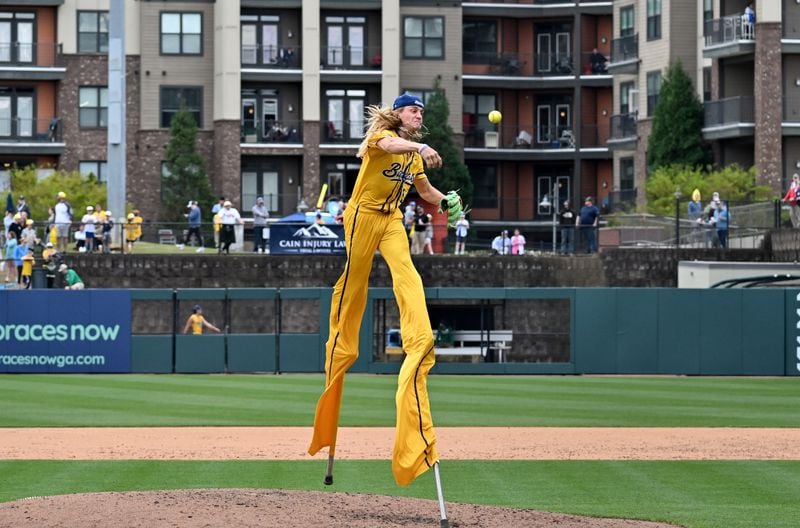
620 267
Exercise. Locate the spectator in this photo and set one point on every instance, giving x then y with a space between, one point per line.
598 62
215 210
17 225
339 218
73 280
748 21
567 221
408 216
19 252
29 233
80 239
501 245
27 268
10 249
132 232
429 236
420 227
8 219
22 206
695 212
721 220
194 219
107 227
707 220
517 243
88 222
791 197
260 215
63 220
462 227
51 259
196 322
588 220
228 218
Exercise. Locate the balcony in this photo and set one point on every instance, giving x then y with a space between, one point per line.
271 63
728 36
530 70
543 142
351 64
622 131
340 132
31 136
527 8
272 134
31 61
624 55
732 117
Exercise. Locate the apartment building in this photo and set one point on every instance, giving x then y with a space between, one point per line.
279 88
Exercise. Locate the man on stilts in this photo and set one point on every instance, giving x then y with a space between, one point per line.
393 159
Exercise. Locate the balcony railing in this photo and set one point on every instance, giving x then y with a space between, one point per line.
341 131
283 57
351 58
624 49
730 111
623 126
510 136
40 54
727 30
272 132
29 130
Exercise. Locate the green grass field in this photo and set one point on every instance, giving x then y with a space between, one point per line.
694 494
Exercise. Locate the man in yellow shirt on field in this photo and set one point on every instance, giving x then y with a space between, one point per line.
196 322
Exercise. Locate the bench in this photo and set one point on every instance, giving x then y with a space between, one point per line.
478 343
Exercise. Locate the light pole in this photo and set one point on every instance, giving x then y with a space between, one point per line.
677 223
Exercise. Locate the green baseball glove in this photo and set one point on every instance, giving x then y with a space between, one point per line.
452 204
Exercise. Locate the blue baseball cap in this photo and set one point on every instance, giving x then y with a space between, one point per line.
407 100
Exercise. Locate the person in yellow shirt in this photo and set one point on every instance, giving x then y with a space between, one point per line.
133 229
27 269
196 322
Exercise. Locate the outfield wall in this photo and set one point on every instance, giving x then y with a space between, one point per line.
578 330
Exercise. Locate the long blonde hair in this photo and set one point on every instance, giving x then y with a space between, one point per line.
380 118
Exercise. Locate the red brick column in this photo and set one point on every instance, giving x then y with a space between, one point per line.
768 105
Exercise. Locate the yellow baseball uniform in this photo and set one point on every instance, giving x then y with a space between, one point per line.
373 221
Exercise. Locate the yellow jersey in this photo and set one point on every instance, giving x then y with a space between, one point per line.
27 266
197 323
384 178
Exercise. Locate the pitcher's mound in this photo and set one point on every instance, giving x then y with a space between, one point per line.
273 508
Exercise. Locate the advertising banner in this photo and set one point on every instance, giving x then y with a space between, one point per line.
302 238
63 331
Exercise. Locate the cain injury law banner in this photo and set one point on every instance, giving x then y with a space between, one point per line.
65 331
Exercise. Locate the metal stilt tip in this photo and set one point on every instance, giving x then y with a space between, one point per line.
442 510
444 524
329 472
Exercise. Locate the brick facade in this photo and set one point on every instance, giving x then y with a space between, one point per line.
225 168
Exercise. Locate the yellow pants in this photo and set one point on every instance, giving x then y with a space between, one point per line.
415 439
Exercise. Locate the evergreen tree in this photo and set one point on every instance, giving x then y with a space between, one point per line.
677 137
187 177
453 175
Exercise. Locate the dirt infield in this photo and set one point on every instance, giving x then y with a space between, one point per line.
271 508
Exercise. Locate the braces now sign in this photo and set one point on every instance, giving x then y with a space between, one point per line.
65 331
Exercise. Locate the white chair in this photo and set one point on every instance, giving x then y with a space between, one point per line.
566 140
523 139
491 139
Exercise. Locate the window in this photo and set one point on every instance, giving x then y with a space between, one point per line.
553 43
93 106
341 175
556 188
653 89
626 174
17 37
173 98
653 19
345 113
476 108
423 38
16 112
181 33
626 105
706 84
346 38
479 41
260 39
626 21
96 168
257 183
484 184
708 11
92 31
425 95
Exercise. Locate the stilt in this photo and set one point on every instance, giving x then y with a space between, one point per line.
329 473
442 510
